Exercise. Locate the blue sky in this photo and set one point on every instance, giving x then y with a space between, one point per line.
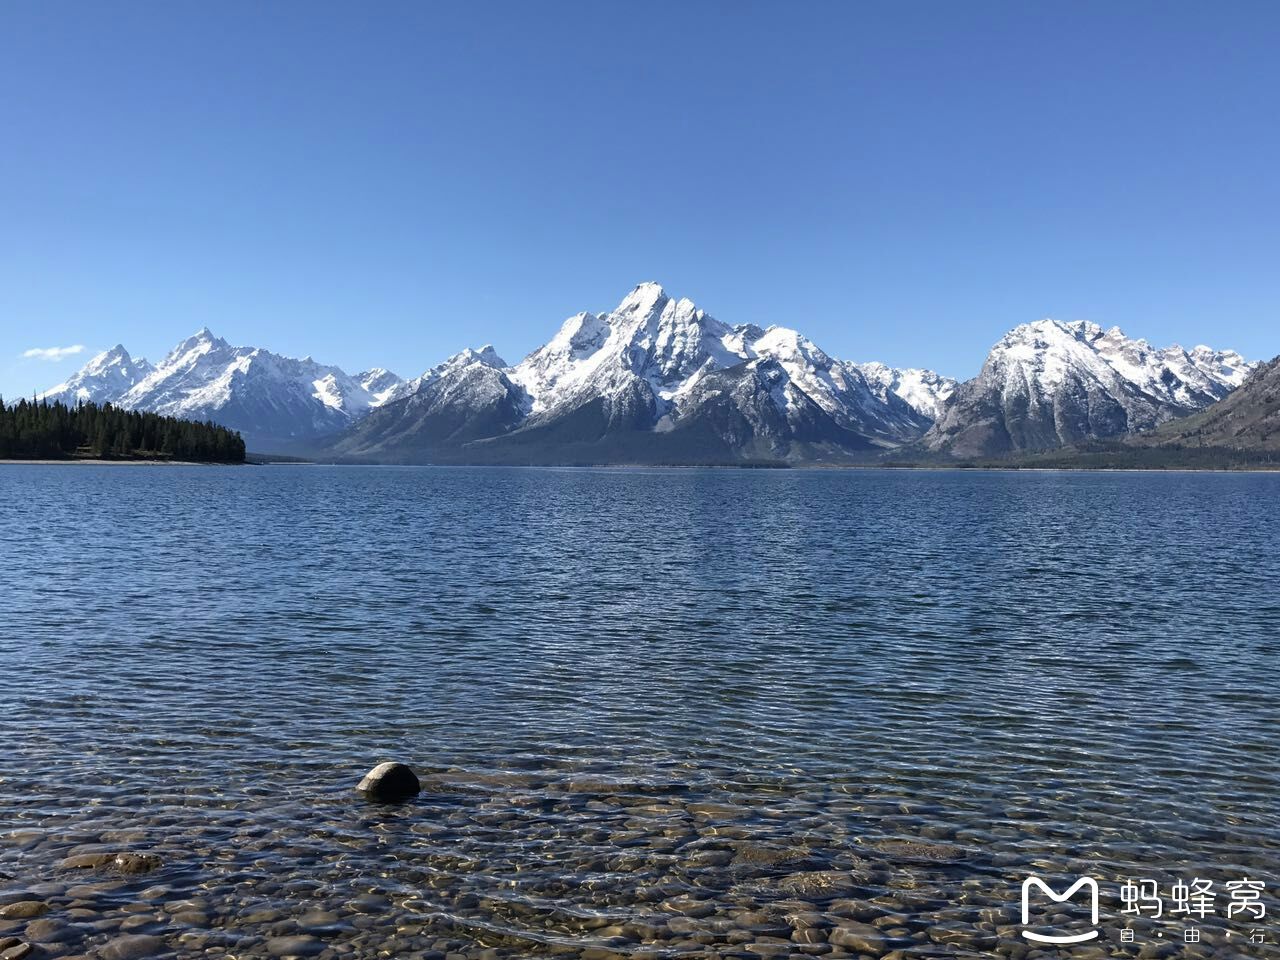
383 184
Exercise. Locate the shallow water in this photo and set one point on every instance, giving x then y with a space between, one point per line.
670 713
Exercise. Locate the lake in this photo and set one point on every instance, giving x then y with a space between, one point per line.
656 713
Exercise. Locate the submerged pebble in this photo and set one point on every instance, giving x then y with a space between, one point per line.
24 910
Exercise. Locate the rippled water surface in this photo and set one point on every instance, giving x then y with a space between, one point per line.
704 713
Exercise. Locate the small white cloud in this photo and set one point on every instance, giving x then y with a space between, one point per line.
53 354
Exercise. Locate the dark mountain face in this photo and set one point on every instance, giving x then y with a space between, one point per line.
468 402
755 408
983 419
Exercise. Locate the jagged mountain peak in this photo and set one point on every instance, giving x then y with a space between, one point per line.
786 342
383 385
205 335
643 362
1048 331
581 334
486 355
103 379
464 359
649 337
203 340
925 391
613 384
643 300
1228 365
107 358
277 402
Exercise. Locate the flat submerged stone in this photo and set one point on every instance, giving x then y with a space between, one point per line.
137 947
24 910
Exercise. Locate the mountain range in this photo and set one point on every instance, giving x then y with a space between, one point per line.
658 380
278 403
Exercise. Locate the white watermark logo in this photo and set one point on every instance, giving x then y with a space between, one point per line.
1084 883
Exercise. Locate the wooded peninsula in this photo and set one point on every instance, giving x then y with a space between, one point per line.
37 430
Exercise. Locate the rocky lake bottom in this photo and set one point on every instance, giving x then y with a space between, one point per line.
655 713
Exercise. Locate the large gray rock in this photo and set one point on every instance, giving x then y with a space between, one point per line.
390 783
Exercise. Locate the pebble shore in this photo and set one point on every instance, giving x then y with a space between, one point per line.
593 871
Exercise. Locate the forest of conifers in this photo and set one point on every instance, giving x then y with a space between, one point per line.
31 430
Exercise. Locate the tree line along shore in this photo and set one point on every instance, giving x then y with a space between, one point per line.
38 430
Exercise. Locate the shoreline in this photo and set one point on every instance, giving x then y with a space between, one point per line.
801 468
782 467
123 463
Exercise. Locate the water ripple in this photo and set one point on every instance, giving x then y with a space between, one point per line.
668 713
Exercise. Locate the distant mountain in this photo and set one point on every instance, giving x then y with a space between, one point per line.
1241 431
277 403
1248 420
105 378
659 380
466 398
1048 384
655 380
924 391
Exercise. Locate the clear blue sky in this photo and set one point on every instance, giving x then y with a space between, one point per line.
383 184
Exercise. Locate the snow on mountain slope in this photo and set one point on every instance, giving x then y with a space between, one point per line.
924 391
1246 422
641 362
381 384
273 400
757 410
655 378
486 356
655 365
649 339
103 379
658 374
1050 383
468 397
276 402
841 389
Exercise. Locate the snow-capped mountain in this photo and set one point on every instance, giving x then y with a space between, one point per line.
1048 383
382 385
656 349
924 391
467 398
655 379
278 403
106 377
660 380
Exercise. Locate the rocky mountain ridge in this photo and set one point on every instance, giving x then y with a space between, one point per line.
660 380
